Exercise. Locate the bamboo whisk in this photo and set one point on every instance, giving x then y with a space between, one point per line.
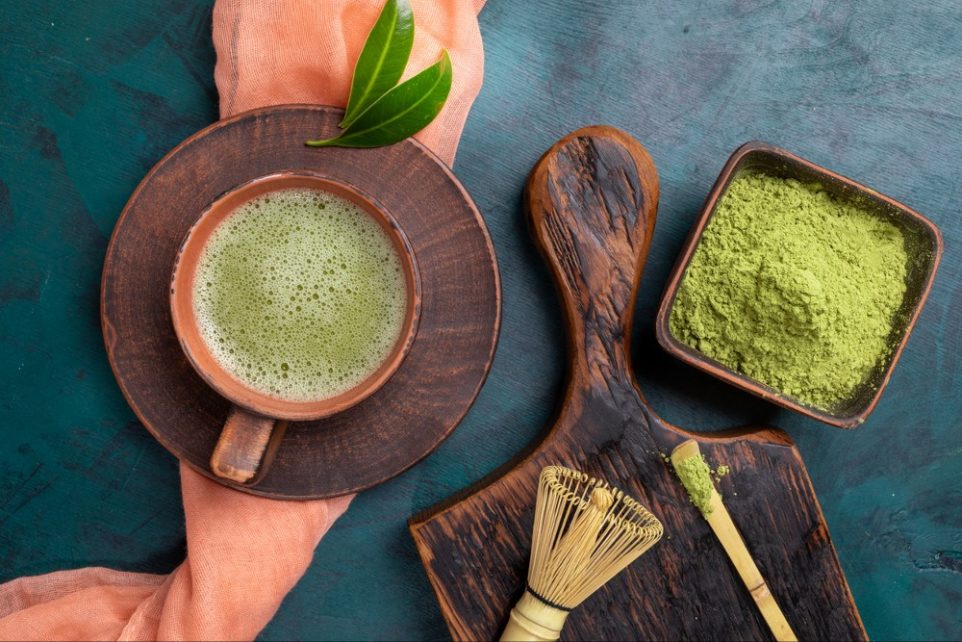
584 534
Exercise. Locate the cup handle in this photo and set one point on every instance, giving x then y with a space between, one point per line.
246 446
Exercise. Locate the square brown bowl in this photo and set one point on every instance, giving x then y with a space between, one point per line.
923 246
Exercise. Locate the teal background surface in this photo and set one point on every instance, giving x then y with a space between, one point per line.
92 94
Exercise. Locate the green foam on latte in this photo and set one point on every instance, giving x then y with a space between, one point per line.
300 294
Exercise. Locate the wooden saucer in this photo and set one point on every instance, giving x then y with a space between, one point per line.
391 430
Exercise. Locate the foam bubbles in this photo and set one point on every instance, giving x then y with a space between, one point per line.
300 294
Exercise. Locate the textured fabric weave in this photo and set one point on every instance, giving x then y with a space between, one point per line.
244 553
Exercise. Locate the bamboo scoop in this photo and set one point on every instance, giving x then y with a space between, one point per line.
584 534
721 522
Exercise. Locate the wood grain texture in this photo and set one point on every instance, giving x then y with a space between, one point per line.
396 426
591 201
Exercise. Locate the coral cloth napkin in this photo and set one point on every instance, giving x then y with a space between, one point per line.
245 553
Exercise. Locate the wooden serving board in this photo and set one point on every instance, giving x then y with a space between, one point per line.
591 202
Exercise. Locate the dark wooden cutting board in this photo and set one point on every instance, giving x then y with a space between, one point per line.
591 202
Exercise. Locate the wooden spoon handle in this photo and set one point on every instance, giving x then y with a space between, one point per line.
731 540
591 204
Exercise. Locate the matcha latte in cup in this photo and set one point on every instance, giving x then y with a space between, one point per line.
295 297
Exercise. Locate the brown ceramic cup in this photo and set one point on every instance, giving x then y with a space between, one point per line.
257 421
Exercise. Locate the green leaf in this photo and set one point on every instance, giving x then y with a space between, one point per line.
383 58
400 113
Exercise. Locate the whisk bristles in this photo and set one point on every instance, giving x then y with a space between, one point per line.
585 532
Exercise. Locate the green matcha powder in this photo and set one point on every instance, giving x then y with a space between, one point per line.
695 476
794 288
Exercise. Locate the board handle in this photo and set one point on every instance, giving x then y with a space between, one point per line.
591 202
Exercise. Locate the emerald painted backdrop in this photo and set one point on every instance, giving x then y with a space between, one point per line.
93 93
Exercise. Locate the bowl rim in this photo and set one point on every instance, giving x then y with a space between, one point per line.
701 361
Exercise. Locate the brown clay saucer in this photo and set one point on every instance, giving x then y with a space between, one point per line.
392 429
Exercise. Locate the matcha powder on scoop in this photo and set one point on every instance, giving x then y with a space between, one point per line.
695 476
793 288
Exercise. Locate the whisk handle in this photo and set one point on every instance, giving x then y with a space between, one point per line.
532 620
591 202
